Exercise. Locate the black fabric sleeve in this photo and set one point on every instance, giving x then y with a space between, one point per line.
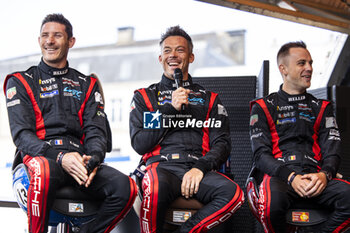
219 140
261 143
94 125
329 141
22 122
144 140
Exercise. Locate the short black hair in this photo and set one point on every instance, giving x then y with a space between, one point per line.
59 18
177 31
284 50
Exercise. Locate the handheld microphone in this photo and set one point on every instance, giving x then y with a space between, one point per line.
178 77
178 80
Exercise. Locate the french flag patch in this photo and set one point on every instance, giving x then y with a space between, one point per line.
58 142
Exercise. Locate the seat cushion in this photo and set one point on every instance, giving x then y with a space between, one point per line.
181 209
183 203
72 201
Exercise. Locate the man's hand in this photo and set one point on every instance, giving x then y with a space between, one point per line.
317 183
190 182
299 185
86 159
179 97
74 165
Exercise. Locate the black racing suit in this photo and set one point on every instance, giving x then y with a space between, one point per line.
175 142
61 110
296 133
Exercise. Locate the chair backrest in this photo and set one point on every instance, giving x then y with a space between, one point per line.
340 95
235 93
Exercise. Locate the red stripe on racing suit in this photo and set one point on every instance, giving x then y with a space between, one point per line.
223 214
122 214
205 138
82 108
39 124
316 147
157 148
39 172
277 153
149 205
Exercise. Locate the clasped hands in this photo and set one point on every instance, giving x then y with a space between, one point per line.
75 165
309 185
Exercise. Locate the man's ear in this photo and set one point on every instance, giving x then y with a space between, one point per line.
71 41
191 58
283 70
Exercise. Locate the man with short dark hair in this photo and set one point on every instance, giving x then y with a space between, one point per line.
296 144
182 154
58 124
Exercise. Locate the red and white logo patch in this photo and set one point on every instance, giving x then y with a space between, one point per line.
11 92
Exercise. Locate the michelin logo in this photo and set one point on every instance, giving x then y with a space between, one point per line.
152 120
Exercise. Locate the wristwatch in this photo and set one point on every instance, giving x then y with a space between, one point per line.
328 175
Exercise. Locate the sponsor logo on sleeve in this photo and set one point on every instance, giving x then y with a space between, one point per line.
334 132
256 135
11 92
132 105
13 103
99 113
253 119
222 110
98 98
334 135
331 122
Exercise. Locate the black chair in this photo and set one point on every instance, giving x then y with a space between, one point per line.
302 214
71 209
